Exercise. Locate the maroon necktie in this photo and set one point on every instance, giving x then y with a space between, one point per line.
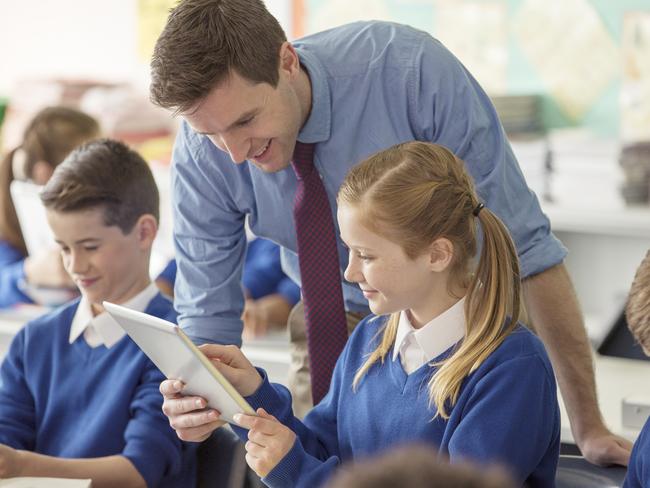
319 271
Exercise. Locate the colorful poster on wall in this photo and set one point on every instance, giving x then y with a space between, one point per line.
152 15
476 32
571 50
635 88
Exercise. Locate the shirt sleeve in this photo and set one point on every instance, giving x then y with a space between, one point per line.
449 107
511 419
12 272
150 443
210 243
17 409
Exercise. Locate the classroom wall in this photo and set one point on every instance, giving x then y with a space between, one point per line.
583 37
88 39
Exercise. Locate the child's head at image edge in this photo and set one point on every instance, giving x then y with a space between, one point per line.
103 207
637 311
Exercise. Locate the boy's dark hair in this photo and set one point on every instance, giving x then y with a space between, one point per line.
637 311
416 466
204 40
104 174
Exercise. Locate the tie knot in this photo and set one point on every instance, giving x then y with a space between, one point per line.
303 159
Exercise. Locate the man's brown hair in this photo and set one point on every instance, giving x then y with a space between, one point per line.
104 174
204 41
637 311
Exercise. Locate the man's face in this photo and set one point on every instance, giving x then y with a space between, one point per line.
254 122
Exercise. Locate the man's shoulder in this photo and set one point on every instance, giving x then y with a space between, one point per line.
342 48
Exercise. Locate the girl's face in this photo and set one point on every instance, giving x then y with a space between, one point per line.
389 279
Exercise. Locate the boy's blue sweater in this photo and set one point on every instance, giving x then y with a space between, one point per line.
73 401
638 471
506 413
11 272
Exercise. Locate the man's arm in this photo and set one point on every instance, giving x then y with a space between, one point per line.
553 309
105 471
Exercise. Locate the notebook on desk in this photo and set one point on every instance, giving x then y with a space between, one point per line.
34 482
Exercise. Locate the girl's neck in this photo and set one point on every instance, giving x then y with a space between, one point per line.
442 302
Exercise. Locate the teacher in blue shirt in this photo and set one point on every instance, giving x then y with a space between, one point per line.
246 95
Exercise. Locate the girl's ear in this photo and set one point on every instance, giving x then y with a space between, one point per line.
441 253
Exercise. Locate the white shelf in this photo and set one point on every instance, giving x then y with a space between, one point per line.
624 221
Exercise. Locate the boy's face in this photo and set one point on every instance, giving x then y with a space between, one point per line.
103 262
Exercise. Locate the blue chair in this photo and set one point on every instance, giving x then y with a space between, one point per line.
576 472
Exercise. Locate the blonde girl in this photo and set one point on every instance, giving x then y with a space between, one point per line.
443 360
50 136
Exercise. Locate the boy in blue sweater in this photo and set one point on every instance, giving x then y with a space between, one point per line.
637 313
443 361
60 415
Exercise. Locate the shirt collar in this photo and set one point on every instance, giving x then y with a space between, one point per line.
436 336
317 128
108 331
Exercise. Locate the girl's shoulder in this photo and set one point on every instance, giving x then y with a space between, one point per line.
521 343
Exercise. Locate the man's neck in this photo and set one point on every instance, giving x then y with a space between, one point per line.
303 90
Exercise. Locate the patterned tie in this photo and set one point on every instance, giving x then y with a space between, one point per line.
319 271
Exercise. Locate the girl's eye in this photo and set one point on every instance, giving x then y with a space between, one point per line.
90 248
364 257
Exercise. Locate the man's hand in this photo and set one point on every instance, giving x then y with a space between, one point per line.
269 441
9 462
602 447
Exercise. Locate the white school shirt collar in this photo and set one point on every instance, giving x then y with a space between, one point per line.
416 347
102 329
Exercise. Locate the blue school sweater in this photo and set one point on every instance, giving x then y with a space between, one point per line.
638 471
11 273
506 413
73 401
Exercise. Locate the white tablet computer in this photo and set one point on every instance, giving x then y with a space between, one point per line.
177 357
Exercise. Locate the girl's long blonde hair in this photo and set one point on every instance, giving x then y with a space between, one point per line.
414 193
49 137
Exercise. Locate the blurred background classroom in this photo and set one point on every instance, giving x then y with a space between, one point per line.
569 78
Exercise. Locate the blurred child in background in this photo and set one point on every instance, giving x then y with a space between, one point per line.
47 140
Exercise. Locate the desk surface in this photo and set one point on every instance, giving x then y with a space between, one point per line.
616 379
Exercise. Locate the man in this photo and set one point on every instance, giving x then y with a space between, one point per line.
247 95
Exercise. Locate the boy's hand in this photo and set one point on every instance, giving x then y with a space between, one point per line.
237 369
188 415
9 462
269 441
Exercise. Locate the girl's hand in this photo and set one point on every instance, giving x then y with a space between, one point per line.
269 441
188 415
232 363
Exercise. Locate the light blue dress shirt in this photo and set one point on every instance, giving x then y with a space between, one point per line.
374 84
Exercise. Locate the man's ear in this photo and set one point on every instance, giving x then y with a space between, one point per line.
441 254
289 61
146 228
